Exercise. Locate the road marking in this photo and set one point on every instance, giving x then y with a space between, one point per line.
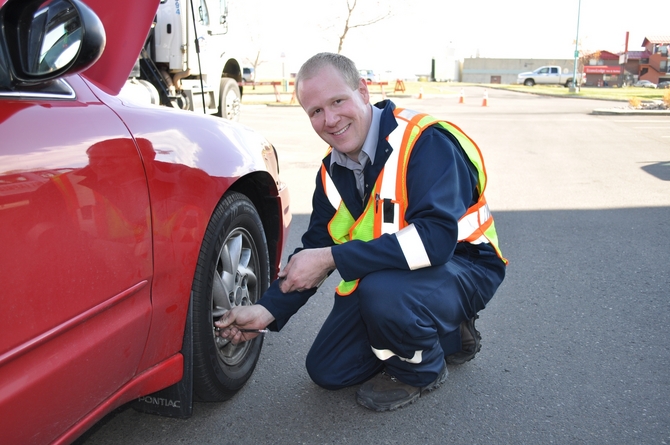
655 121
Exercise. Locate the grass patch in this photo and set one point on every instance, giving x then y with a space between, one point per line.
624 94
414 88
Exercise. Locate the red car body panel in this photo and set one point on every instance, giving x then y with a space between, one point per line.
103 208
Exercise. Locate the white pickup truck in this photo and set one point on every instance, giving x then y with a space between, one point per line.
546 75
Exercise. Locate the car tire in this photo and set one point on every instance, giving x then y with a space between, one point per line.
233 269
229 99
529 82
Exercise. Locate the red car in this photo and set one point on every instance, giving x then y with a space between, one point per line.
126 230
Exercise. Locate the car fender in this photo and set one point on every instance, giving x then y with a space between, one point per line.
199 158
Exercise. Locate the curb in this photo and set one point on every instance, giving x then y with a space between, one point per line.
615 112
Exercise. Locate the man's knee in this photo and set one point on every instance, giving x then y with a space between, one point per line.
337 374
320 374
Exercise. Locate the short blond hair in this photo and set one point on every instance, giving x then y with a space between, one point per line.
345 66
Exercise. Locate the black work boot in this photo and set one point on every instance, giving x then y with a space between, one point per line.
470 343
385 393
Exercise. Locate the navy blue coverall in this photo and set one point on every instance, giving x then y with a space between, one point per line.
395 308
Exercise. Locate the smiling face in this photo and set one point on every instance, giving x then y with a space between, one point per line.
339 115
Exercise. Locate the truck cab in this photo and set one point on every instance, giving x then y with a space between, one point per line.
187 59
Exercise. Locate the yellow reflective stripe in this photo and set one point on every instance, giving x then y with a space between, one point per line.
471 150
385 354
345 288
412 247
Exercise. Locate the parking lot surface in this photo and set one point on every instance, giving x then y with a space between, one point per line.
576 341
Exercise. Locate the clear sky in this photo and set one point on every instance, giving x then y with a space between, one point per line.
419 30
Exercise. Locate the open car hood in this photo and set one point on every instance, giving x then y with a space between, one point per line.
127 24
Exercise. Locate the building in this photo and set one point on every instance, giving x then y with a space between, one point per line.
483 70
654 63
603 68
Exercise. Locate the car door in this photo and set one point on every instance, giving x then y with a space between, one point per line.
76 257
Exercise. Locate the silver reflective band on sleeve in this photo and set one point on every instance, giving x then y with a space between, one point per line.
332 193
412 247
389 178
385 354
469 223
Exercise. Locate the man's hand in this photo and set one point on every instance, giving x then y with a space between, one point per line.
306 269
243 317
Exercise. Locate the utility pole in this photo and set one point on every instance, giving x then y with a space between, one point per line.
575 86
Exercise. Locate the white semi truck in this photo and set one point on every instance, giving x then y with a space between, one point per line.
186 62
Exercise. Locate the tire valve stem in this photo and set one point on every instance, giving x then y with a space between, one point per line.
254 331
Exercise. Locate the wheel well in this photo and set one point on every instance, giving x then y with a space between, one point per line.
233 70
260 188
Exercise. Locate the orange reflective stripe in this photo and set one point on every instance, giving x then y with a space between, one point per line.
480 231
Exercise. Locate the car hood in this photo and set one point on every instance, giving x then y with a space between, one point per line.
127 24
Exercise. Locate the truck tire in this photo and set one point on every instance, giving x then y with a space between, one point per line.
568 83
229 99
233 269
529 82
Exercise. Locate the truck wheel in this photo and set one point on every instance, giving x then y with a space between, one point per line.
529 82
568 83
233 269
229 99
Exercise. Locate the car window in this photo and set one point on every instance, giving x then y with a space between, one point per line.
204 13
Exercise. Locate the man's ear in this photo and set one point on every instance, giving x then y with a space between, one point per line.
363 90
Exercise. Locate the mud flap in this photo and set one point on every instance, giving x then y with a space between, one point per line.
175 400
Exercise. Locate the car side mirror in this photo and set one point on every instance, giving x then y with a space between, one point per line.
46 39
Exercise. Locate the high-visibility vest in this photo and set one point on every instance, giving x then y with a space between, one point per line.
385 210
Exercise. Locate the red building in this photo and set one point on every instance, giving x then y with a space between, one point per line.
602 68
654 65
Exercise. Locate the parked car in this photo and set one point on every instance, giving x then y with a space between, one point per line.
548 75
127 230
664 84
248 74
644 84
369 75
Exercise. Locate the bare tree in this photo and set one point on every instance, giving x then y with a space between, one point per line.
351 5
255 63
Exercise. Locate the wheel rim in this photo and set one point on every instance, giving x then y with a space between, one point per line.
235 283
232 105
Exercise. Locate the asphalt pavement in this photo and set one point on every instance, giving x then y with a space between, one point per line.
575 343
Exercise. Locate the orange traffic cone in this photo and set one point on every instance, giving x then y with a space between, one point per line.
485 102
421 93
461 98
